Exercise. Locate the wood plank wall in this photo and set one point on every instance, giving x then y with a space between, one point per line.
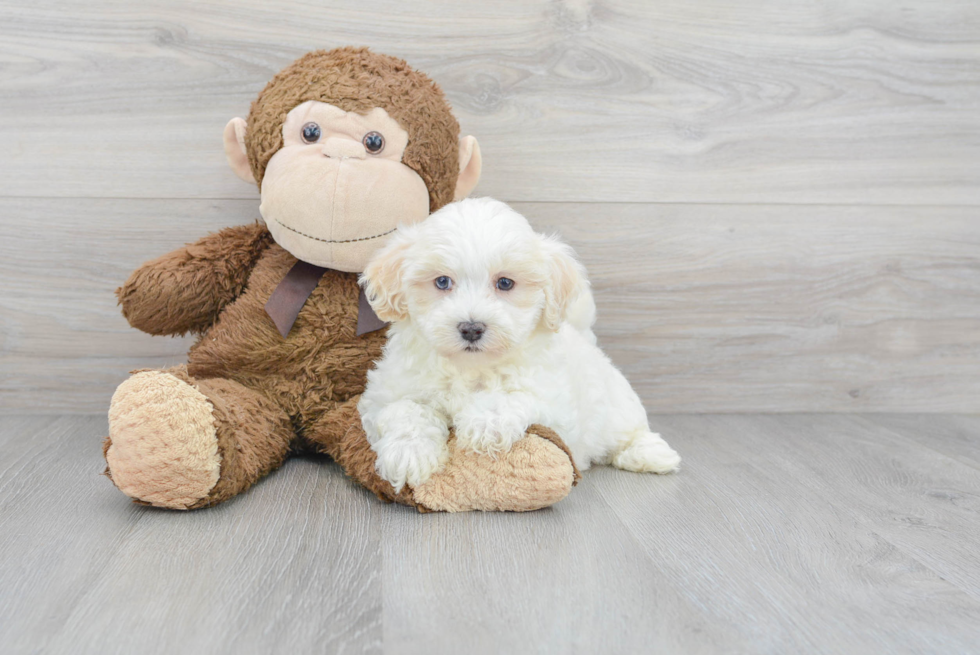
779 203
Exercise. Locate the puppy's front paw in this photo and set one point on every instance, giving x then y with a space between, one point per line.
648 453
487 431
409 461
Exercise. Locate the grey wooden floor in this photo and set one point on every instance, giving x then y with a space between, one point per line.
782 534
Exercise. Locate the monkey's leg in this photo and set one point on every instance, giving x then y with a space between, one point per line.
182 443
537 472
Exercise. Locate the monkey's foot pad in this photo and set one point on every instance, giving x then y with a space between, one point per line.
162 447
537 472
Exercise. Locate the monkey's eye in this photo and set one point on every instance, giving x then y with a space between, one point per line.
505 284
373 142
444 283
311 133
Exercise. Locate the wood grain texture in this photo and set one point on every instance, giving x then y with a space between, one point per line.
780 532
954 436
621 100
290 566
907 493
706 308
567 580
773 538
859 292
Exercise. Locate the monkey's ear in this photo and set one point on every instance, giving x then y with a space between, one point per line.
235 149
470 165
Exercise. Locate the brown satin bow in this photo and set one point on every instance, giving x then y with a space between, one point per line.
292 293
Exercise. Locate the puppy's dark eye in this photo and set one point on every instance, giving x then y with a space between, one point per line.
444 283
373 142
505 284
311 133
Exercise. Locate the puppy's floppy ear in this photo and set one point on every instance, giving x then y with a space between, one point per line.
567 279
382 279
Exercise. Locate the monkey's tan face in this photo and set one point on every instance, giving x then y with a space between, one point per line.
337 187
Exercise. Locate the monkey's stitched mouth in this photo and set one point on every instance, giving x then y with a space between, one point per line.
310 236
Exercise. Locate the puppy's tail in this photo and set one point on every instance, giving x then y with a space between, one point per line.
581 313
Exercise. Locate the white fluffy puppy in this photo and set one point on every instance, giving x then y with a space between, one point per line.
491 333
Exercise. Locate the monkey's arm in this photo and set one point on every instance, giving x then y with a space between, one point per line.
184 290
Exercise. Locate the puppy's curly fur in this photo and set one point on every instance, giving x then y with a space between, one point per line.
492 333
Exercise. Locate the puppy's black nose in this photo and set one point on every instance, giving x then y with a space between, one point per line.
472 331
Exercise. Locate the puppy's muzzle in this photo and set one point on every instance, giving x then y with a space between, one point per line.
472 332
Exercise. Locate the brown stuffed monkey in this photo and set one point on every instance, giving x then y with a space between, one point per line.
344 145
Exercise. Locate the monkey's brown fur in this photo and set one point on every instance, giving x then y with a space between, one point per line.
263 395
269 394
